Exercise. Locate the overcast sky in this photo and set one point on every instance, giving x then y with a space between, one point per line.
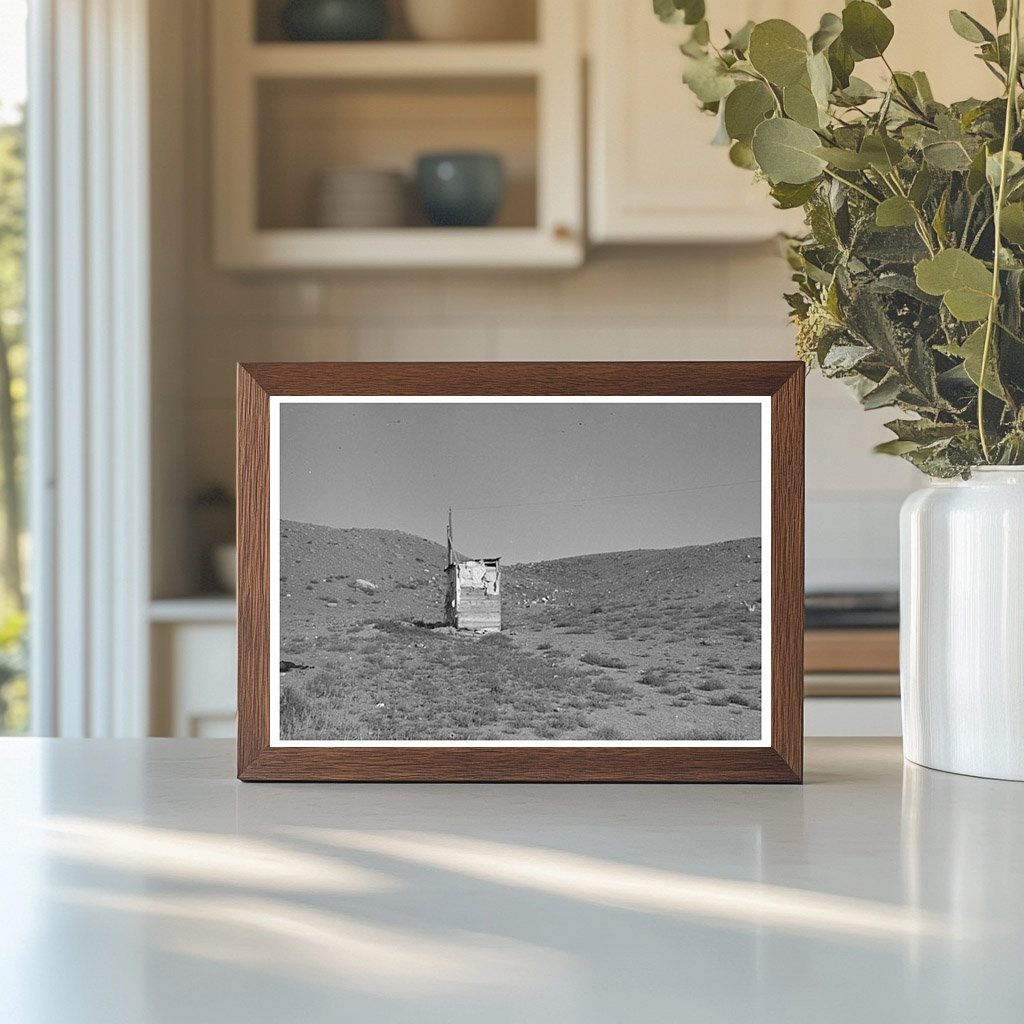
528 481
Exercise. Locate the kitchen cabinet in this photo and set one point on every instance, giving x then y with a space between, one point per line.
192 649
286 113
653 175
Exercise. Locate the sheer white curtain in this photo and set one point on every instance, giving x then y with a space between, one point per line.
89 342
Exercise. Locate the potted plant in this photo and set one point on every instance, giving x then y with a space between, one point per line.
908 289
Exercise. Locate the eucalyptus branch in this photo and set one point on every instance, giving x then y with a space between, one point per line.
1000 200
888 291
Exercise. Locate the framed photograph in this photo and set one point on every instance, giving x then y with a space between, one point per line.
520 572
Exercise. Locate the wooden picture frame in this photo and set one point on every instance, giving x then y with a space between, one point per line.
778 757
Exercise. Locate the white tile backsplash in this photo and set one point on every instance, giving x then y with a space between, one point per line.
704 303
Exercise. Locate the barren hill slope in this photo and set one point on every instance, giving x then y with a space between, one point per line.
651 644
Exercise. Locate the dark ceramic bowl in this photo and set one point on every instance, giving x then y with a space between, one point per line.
461 190
332 21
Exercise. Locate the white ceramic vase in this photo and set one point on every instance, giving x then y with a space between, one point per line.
962 624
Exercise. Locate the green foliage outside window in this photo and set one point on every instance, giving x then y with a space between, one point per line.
13 412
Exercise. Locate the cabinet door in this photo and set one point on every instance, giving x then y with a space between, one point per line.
654 177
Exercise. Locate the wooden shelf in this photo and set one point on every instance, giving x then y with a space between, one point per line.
401 247
852 650
393 60
286 112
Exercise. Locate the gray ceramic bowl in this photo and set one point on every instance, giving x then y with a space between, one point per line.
461 190
334 20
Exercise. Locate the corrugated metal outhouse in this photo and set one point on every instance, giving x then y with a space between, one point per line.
474 591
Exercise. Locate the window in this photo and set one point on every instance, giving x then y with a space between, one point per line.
14 548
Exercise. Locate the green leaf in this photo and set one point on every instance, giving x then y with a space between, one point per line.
866 29
739 41
921 185
741 155
882 153
858 91
923 431
820 76
778 50
789 197
844 159
963 281
939 220
924 87
800 105
971 352
841 60
785 152
947 156
708 80
895 447
969 28
676 12
976 173
1014 169
745 108
829 30
1012 226
896 212
884 395
906 90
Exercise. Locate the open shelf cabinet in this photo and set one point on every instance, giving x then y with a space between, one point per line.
285 113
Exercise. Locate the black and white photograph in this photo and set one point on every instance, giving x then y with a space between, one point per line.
519 571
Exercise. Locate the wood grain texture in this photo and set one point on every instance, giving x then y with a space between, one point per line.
787 495
781 762
252 487
852 650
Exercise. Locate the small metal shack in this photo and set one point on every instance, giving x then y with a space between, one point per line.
474 591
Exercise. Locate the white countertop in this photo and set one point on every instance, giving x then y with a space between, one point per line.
143 885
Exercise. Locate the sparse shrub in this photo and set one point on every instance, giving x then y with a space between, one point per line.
603 661
611 687
708 685
744 700
656 677
495 640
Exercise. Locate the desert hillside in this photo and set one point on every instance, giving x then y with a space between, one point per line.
631 644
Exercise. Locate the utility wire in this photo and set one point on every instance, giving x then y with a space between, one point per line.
604 497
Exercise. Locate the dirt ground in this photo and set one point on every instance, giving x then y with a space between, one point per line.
638 645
